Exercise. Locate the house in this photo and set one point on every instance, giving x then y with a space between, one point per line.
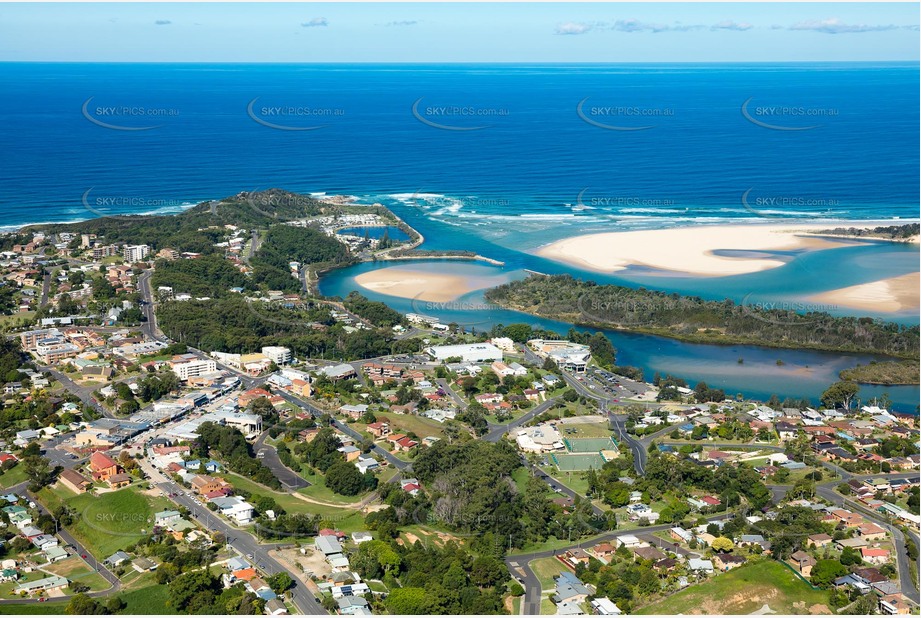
351 606
245 574
46 584
237 563
725 562
681 535
603 606
361 537
628 540
142 565
365 464
892 604
648 553
274 607
235 508
874 555
871 532
569 589
803 562
165 517
696 564
855 543
747 540
576 556
116 559
117 481
55 553
44 541
74 481
818 540
379 429
603 550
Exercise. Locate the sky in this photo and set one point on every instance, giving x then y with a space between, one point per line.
455 32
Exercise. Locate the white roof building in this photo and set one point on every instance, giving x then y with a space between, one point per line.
467 352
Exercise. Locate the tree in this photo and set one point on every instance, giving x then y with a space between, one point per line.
114 604
280 582
83 605
722 544
516 590
840 393
39 472
344 478
850 556
826 571
410 601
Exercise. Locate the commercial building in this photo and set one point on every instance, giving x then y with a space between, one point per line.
135 253
466 352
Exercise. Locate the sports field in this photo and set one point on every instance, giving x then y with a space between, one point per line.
589 445
579 461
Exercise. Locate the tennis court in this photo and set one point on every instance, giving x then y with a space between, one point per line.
582 461
589 445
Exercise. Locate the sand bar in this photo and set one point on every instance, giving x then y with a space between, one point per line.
893 295
423 285
690 250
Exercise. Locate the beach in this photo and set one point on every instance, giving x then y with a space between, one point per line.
423 285
893 295
703 251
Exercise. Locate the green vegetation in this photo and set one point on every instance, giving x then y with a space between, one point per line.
887 372
305 245
146 600
561 297
228 444
106 523
893 232
376 312
742 591
208 275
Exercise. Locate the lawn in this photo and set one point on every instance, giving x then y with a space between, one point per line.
547 607
345 519
59 607
744 590
75 569
320 491
108 522
585 430
419 425
14 476
148 600
546 569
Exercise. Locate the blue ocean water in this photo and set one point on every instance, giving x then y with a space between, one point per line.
533 159
497 159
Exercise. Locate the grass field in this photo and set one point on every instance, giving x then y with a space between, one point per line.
419 425
744 590
59 607
347 520
546 569
108 522
575 431
320 491
547 608
147 600
13 477
75 569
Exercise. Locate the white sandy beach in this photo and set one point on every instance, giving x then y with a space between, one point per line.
423 285
690 250
897 294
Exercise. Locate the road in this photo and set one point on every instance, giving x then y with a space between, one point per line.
243 542
291 480
390 457
450 392
78 549
530 582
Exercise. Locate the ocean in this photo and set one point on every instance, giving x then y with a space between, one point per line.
499 159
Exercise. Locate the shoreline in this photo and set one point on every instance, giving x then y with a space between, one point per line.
891 295
701 250
424 286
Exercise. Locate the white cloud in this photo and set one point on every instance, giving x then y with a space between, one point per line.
162 22
834 25
405 22
728 24
572 27
635 25
315 22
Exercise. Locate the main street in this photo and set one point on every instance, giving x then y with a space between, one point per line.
241 541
